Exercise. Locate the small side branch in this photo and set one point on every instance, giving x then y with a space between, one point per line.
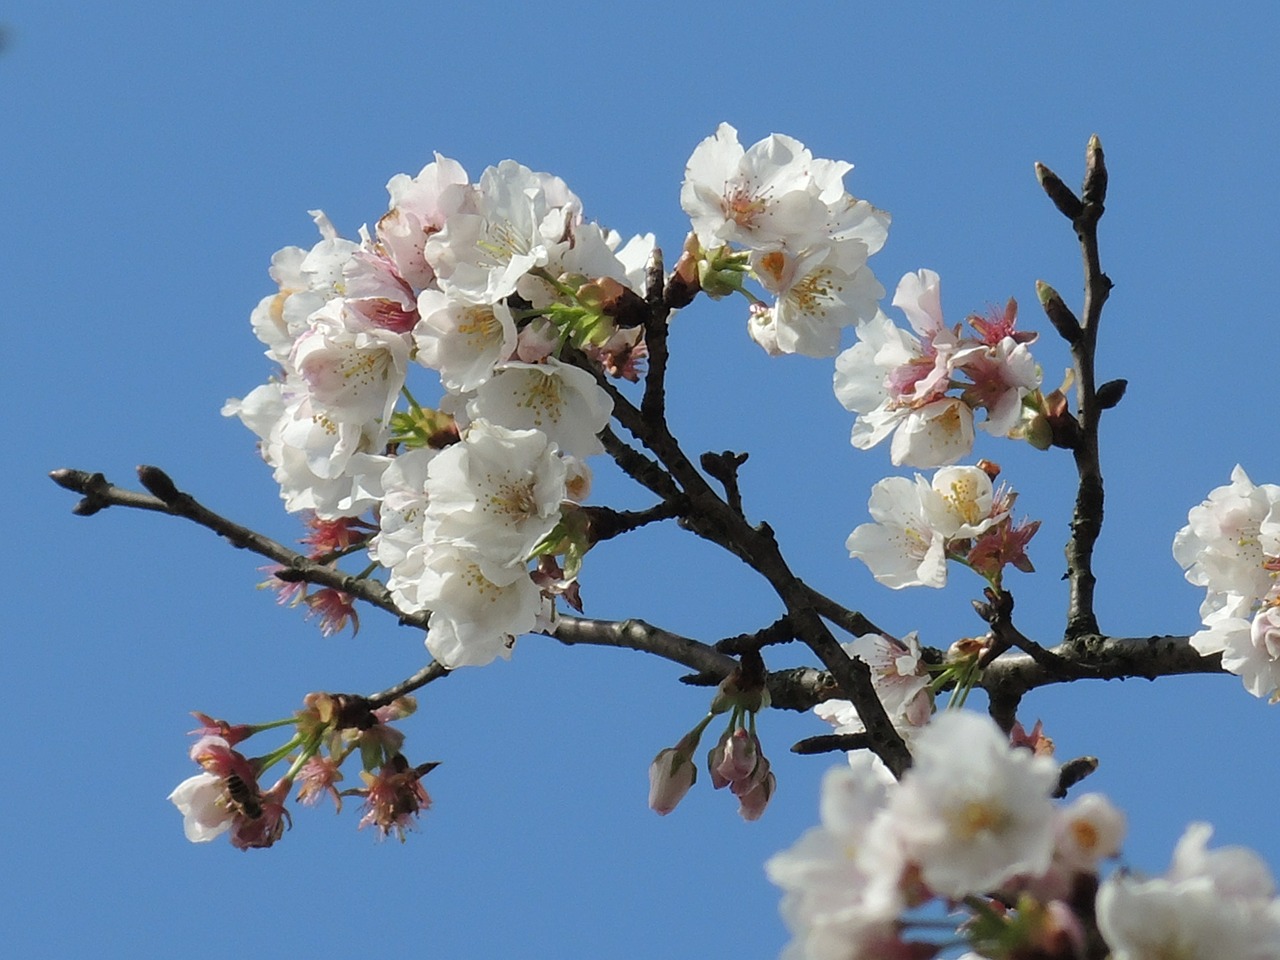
432 671
1086 523
167 498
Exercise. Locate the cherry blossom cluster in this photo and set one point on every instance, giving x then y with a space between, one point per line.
781 214
227 795
486 284
972 829
923 388
1231 547
959 515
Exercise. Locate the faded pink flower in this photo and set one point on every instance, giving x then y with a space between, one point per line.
317 778
394 797
334 608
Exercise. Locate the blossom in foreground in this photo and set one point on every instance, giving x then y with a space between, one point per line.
1210 905
973 812
841 894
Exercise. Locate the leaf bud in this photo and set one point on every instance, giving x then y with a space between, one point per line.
1062 196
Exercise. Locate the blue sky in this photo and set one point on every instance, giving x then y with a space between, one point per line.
155 155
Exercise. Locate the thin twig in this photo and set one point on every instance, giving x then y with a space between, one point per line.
99 494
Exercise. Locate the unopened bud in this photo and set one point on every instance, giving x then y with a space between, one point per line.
683 285
1059 314
1062 196
671 775
1095 174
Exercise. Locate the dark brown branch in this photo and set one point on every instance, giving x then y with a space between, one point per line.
607 523
997 611
711 517
780 631
830 743
1086 521
654 403
1109 658
724 468
432 671
847 620
637 466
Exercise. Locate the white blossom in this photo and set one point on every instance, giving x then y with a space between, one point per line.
475 617
562 401
498 492
1209 906
973 812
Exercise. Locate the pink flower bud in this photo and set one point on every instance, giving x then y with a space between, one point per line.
671 775
739 757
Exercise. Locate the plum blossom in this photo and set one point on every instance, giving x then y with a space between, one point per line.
771 195
462 339
420 207
1223 547
498 492
477 610
226 798
900 678
515 222
562 401
819 292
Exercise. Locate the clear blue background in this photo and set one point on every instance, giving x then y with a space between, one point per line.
154 155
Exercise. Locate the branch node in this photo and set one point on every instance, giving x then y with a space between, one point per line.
724 468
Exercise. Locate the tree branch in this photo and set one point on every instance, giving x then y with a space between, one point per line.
1086 520
99 494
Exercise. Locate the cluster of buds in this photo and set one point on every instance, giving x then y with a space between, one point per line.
737 761
227 796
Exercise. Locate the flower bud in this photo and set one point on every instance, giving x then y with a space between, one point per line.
671 775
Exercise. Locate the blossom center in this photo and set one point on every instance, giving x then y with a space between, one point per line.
978 816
